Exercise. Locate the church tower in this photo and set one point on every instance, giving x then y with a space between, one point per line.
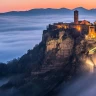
75 17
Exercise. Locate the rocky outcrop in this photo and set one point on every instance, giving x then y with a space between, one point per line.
62 54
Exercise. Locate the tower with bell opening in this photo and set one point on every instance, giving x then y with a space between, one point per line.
76 17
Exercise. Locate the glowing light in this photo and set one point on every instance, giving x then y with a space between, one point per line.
91 35
92 51
90 65
61 26
78 28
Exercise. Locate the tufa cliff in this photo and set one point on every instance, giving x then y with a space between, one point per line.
61 55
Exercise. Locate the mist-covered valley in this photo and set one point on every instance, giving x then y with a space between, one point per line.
20 33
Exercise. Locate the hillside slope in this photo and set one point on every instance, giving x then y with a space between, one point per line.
60 56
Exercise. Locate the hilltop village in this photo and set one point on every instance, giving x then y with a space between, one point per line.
80 26
77 37
83 27
76 29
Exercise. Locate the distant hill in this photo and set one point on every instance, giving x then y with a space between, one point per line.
50 11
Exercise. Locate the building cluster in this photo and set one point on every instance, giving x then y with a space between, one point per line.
80 26
85 26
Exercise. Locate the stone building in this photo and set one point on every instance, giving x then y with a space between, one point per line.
84 26
75 17
91 33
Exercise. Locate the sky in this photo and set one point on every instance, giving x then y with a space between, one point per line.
21 5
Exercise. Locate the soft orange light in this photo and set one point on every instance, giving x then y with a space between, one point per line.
91 35
78 28
8 5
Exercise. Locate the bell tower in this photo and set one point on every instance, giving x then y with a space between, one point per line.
75 17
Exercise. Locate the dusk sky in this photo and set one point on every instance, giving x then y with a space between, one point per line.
13 5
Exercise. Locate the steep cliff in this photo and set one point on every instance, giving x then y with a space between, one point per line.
61 55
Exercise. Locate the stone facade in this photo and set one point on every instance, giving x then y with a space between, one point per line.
75 17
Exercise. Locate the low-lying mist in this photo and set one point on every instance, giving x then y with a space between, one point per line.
3 81
83 86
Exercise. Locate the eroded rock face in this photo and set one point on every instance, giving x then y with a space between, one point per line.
83 54
62 47
58 52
